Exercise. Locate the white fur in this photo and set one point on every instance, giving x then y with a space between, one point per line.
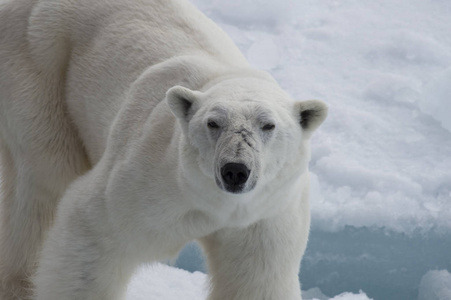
105 108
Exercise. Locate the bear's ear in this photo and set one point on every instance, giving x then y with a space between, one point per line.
311 114
182 101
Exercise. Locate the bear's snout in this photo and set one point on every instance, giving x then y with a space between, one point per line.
234 176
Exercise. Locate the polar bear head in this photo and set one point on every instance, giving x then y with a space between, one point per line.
245 132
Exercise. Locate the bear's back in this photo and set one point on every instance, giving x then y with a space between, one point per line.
156 29
103 46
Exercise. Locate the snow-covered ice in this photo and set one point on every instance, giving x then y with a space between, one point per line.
159 281
436 98
316 294
435 285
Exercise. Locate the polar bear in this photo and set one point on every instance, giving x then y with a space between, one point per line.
129 128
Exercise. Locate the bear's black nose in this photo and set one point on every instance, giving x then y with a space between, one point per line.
235 176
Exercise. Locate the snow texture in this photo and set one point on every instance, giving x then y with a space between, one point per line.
159 281
435 285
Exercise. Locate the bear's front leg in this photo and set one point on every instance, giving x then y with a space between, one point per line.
260 262
82 259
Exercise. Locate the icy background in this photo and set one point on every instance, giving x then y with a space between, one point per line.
381 165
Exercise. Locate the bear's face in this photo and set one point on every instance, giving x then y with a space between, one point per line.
245 131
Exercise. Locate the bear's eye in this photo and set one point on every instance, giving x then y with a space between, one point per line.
268 127
212 125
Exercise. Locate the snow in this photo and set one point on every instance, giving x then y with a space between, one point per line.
351 296
316 294
436 98
264 54
248 12
159 281
435 285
